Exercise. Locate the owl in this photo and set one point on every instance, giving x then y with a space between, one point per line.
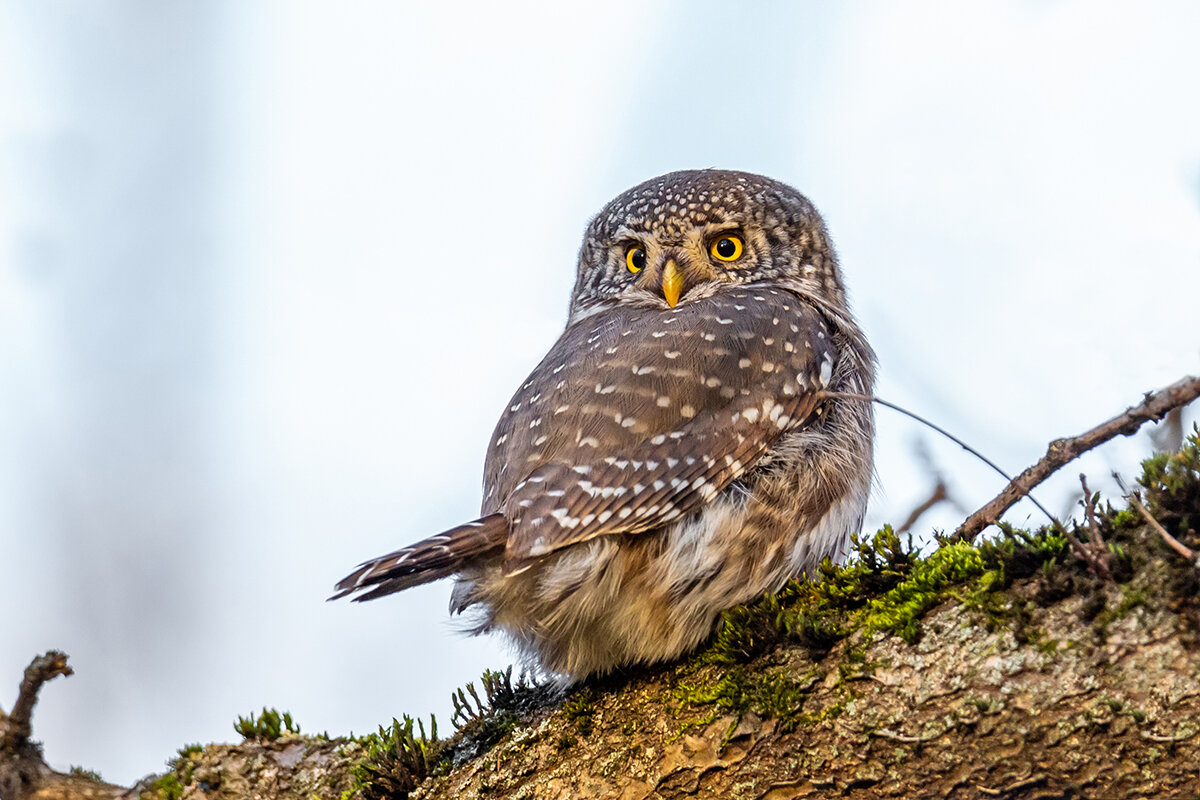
676 452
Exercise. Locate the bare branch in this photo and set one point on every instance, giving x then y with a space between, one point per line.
1154 406
16 729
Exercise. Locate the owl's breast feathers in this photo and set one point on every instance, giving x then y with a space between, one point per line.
636 417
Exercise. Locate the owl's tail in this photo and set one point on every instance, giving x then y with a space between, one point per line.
427 560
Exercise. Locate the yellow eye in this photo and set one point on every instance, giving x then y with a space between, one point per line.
635 259
727 248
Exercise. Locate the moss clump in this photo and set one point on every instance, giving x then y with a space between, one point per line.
398 758
777 693
579 710
1172 487
170 785
166 787
269 726
483 721
86 774
395 760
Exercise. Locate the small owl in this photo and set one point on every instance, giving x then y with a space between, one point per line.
673 455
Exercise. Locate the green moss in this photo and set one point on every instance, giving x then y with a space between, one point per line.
773 692
398 758
166 787
579 710
900 609
86 774
269 726
170 785
395 760
1172 484
484 721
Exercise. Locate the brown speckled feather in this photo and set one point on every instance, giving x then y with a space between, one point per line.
687 398
669 458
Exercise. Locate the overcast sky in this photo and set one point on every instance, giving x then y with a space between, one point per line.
269 272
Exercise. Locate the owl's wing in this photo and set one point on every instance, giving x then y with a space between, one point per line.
639 416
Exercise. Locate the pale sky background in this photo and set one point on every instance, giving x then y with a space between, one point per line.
270 271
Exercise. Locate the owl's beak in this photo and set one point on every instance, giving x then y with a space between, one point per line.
673 282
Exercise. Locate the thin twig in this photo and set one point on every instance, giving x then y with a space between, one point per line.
887 733
941 490
895 736
1095 553
942 431
1089 513
938 496
1172 542
1062 451
1024 783
1154 737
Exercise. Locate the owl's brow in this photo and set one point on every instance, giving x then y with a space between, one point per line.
626 234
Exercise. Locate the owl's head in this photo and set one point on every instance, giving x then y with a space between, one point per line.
685 235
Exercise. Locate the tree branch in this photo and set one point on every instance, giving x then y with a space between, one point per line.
17 727
1154 407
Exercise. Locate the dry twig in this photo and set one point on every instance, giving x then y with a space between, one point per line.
1172 542
1154 406
1024 783
1094 552
939 495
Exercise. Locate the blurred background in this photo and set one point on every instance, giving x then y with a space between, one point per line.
269 272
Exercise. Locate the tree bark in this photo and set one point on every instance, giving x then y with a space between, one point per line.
1093 705
1079 678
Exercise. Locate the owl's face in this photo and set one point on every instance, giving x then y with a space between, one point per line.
685 235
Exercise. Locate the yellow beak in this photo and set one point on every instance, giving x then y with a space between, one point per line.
672 283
